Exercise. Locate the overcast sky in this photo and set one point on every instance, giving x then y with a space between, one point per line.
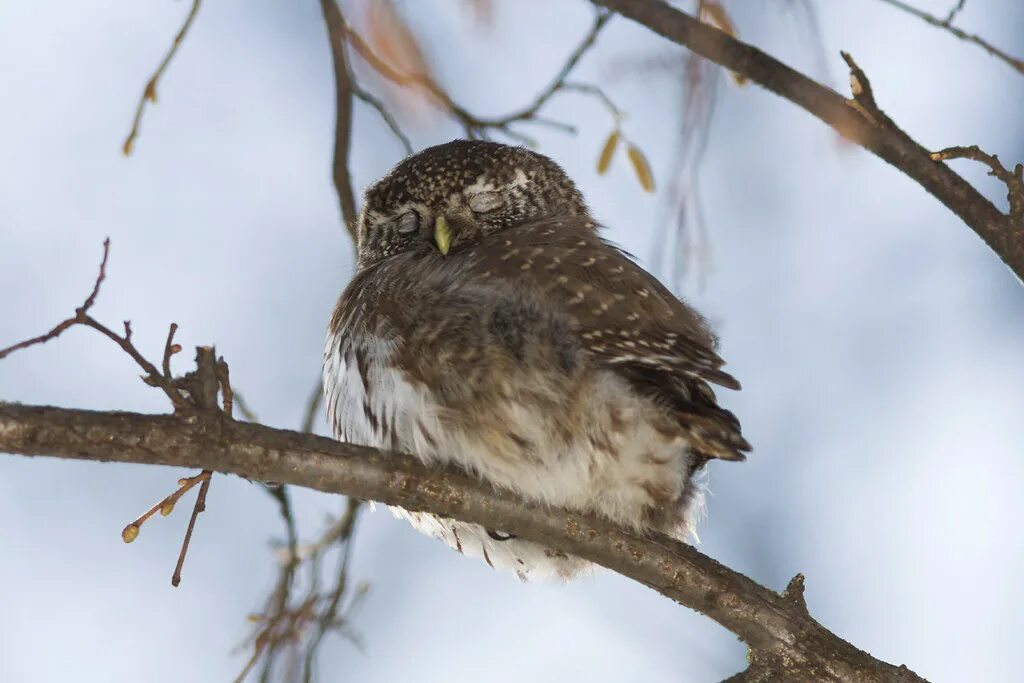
877 338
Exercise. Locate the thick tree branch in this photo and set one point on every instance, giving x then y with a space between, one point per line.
1003 234
782 636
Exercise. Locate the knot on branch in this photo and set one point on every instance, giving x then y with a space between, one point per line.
794 593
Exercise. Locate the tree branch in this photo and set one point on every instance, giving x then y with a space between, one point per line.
343 124
947 25
149 92
782 636
878 134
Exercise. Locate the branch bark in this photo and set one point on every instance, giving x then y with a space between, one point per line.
343 93
784 639
870 129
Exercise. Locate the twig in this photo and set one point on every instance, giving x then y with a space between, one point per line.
946 25
153 377
80 312
1014 180
165 506
386 115
343 105
149 92
313 407
244 408
200 506
327 619
476 126
170 348
954 11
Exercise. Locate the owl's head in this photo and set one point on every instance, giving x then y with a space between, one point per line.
451 195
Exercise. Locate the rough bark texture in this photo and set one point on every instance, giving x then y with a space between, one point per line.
786 643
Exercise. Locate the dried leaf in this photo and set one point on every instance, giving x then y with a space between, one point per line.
392 40
641 168
714 13
608 151
393 43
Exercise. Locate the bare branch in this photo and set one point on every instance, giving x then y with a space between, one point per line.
343 124
1014 180
153 377
476 126
386 115
947 25
149 92
1001 232
775 627
78 318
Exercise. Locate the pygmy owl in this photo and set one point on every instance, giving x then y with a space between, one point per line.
490 327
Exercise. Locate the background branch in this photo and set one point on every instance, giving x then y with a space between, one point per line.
947 25
343 94
1003 234
778 629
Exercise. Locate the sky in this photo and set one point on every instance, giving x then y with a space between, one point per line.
877 338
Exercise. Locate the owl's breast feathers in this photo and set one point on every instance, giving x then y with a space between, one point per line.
554 291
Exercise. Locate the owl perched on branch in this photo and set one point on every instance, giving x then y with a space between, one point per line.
488 326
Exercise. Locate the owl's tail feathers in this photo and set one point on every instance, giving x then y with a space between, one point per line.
716 437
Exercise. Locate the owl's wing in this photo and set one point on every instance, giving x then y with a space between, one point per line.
626 320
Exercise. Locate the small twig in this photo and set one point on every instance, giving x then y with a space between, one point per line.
153 377
953 12
313 407
479 127
165 506
946 25
244 408
860 86
149 92
328 618
386 115
1014 180
170 348
79 312
200 506
595 91
343 93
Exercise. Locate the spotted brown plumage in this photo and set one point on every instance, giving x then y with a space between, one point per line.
531 352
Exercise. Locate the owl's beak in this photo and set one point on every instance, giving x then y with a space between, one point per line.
442 235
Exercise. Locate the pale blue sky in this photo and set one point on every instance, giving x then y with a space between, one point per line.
878 340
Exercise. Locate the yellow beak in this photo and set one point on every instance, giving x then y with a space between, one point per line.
442 235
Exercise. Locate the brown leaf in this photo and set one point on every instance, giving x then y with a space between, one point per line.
641 168
394 44
392 40
608 151
714 13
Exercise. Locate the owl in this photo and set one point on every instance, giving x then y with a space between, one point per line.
490 327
